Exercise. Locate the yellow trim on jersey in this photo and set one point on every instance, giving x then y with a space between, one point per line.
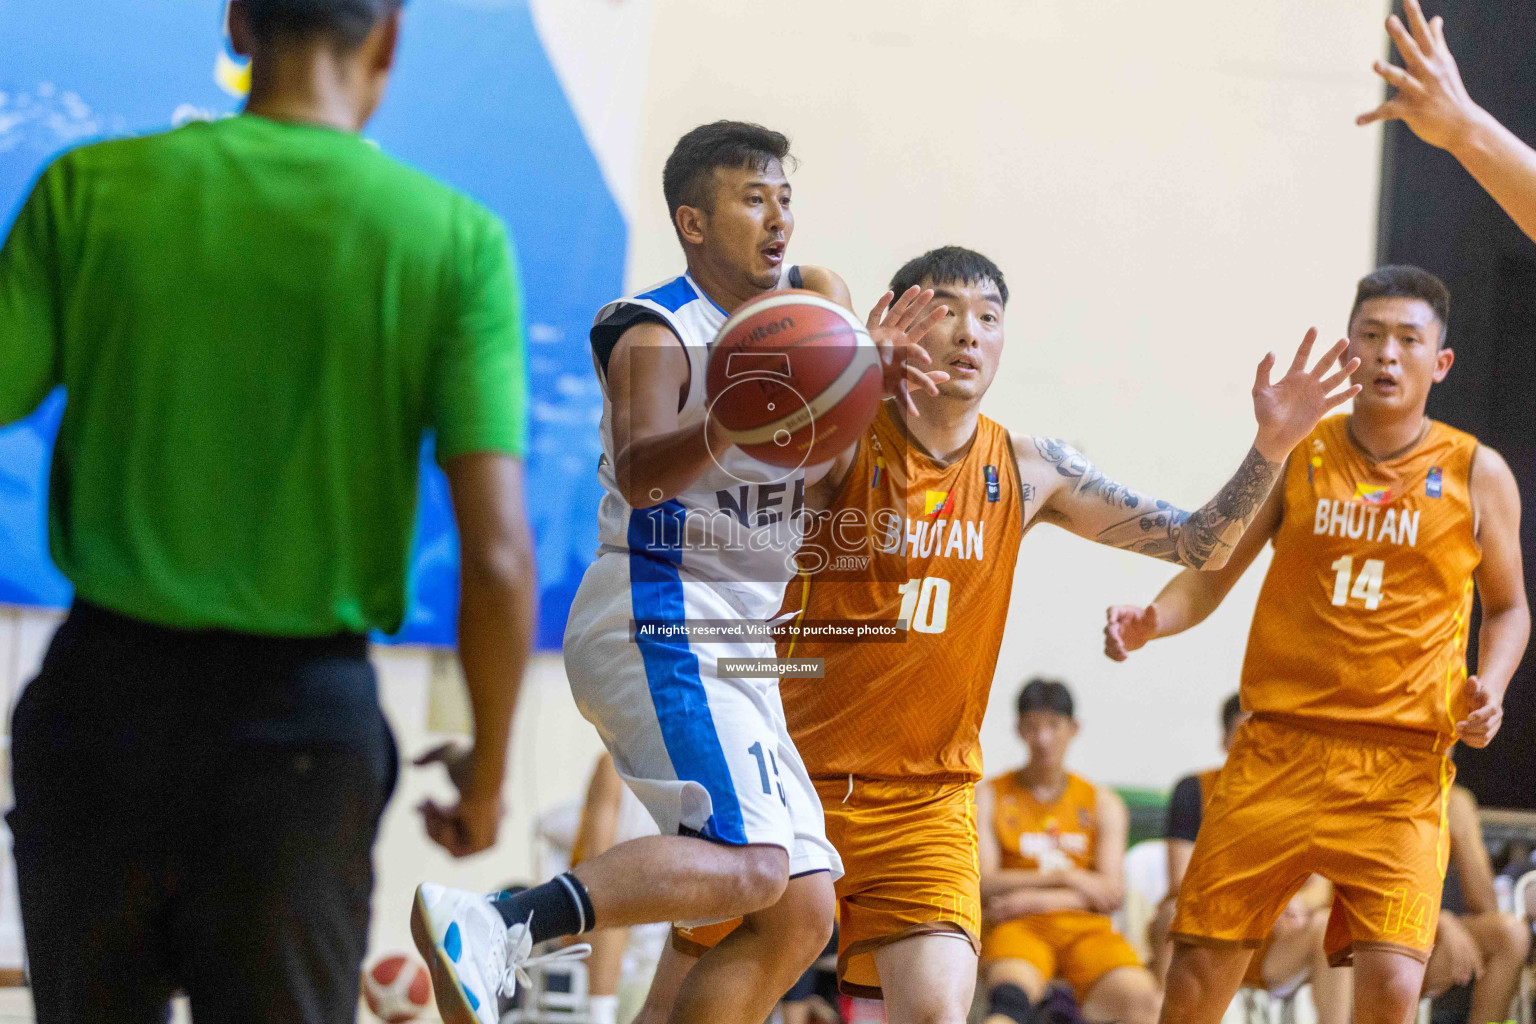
1443 841
1454 672
805 604
975 826
1458 664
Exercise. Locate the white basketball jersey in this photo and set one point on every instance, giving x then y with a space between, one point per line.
742 521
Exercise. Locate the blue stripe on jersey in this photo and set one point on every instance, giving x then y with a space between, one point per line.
673 295
672 669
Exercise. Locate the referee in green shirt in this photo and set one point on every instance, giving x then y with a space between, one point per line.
255 320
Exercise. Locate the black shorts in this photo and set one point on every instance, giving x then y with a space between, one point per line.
197 812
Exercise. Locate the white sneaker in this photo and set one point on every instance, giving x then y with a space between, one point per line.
475 958
465 943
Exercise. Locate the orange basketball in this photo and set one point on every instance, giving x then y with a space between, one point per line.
397 988
793 378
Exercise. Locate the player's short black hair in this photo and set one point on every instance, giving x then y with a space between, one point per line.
686 178
1045 695
950 264
1399 281
1231 711
345 22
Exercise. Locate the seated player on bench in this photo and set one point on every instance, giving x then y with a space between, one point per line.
1052 848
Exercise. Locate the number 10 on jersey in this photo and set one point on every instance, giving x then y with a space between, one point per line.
925 604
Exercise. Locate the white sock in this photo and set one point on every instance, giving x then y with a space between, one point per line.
603 1009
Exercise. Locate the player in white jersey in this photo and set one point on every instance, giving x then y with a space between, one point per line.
691 530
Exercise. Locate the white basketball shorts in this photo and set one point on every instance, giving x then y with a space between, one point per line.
708 755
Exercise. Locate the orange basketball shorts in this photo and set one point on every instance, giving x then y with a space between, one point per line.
1075 945
1366 813
909 866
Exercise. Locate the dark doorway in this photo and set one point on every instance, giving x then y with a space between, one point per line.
1433 214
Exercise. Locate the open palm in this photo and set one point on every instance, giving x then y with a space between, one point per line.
1430 97
896 327
1288 409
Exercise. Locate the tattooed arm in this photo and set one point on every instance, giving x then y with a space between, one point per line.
1191 596
1088 503
1077 496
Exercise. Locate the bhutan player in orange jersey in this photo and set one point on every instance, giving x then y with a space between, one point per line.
1052 871
1355 673
922 524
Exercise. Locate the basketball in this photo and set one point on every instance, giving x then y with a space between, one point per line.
794 378
397 988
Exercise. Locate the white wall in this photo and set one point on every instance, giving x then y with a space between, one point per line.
599 50
1171 190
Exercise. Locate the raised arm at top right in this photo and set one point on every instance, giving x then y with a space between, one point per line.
1433 102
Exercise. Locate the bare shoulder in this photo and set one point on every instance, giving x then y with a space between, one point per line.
1036 476
1051 454
647 360
662 352
1027 449
1045 463
647 334
1491 475
1495 494
1110 803
826 282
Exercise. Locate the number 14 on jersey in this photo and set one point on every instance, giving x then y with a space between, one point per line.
1367 586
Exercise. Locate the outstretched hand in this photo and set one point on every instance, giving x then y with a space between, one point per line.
1127 629
471 824
1288 409
1485 713
1430 97
896 328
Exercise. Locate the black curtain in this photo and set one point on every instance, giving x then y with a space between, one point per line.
1435 215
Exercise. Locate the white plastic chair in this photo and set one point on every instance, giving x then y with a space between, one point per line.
1527 989
1146 883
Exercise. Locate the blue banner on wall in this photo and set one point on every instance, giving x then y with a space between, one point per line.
475 102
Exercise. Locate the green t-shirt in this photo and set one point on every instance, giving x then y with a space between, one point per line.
255 321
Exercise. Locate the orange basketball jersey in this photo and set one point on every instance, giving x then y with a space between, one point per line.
934 546
1040 837
1362 619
